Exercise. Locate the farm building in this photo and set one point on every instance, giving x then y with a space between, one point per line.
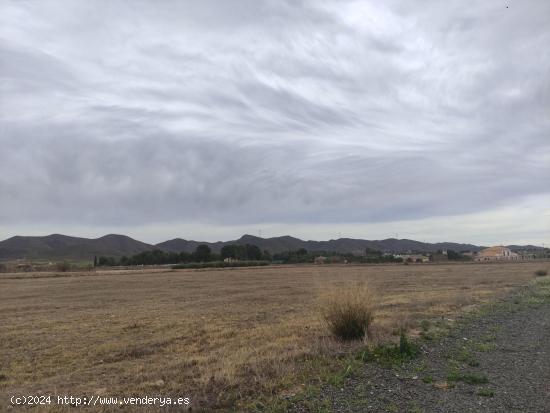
497 253
320 260
412 257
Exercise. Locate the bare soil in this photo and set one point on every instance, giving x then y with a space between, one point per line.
221 337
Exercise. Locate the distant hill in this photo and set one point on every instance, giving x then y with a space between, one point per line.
57 247
285 243
179 245
532 248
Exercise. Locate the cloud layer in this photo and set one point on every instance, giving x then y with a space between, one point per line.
256 113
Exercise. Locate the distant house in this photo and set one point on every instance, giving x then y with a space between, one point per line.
319 260
497 253
412 257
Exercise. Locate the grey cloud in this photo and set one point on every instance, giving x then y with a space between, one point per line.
162 178
265 111
27 70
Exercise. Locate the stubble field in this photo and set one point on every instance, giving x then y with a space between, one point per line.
221 337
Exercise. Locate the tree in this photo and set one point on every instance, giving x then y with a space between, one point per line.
95 260
372 253
202 253
184 257
253 252
229 251
453 255
106 262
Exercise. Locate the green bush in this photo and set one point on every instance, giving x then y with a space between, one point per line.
407 349
391 355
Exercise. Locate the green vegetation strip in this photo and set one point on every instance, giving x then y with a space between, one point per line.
221 264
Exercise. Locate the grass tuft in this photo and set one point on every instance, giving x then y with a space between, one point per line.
391 355
469 378
485 393
425 325
349 312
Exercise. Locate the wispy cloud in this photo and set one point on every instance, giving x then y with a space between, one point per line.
259 113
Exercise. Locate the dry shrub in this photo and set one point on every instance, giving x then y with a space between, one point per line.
349 311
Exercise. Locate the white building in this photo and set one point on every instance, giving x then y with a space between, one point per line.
498 253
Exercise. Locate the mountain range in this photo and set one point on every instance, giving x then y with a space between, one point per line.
56 246
285 243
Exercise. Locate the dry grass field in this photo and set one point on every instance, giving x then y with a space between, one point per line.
217 336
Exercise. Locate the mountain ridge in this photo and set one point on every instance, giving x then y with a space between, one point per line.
59 246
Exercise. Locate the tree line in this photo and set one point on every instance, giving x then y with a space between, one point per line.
304 256
250 252
203 253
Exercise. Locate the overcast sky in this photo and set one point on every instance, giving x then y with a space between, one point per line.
209 119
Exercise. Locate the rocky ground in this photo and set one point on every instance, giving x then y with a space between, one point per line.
497 360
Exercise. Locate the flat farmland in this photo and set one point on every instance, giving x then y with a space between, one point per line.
220 337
